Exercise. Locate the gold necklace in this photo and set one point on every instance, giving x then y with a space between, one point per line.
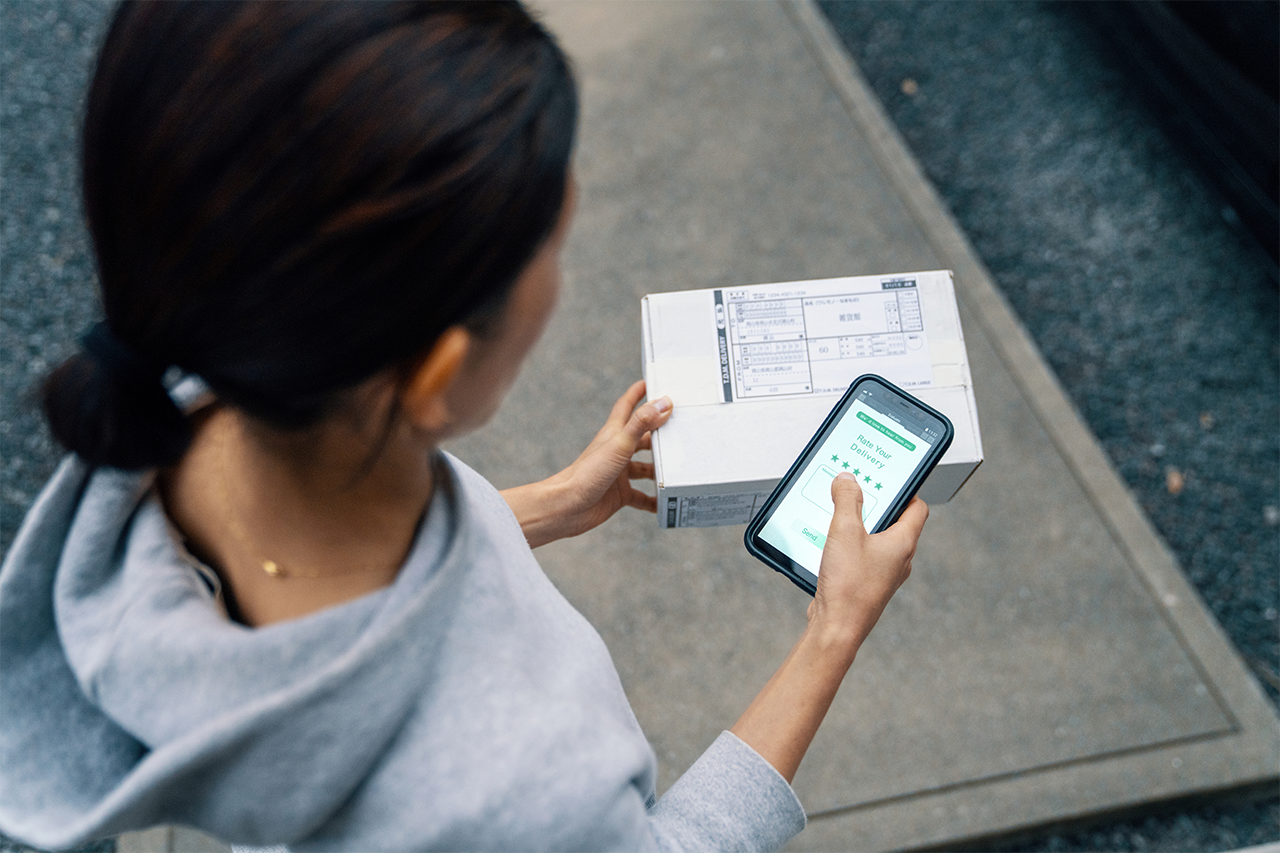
271 568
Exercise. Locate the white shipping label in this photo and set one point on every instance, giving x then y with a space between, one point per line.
816 337
712 510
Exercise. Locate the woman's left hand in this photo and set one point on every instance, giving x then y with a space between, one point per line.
598 483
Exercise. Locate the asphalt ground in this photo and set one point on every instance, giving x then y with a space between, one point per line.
1155 312
47 281
47 277
1155 309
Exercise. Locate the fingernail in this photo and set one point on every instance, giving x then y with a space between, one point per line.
662 404
845 475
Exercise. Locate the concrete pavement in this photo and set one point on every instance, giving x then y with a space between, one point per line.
1046 662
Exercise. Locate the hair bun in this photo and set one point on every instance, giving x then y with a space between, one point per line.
109 406
118 358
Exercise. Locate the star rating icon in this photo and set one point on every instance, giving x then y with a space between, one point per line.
879 485
844 465
856 472
835 458
867 479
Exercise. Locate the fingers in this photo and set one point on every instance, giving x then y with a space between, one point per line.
627 402
639 500
846 494
914 516
638 470
911 523
644 420
637 423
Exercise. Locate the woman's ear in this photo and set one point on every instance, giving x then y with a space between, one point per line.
423 399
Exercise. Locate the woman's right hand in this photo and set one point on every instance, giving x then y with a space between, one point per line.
861 572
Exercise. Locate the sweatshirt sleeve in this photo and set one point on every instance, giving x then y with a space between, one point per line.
730 799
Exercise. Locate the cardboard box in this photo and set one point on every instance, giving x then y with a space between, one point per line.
754 370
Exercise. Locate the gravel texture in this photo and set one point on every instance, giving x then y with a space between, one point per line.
106 846
1156 311
46 267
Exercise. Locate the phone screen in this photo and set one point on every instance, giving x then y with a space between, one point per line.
879 439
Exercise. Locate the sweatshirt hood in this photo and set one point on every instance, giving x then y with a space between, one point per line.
129 699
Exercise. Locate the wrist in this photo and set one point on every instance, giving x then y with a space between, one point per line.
837 635
558 511
540 510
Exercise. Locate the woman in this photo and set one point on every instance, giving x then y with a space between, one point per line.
274 610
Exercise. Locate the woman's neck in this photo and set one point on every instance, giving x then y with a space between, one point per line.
294 523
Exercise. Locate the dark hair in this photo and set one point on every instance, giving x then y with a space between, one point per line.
287 198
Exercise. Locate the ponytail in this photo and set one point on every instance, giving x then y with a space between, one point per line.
110 406
287 199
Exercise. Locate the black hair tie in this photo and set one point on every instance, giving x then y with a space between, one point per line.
118 358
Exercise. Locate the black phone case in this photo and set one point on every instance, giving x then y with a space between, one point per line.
784 485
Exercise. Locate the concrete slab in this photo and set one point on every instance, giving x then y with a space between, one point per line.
157 839
1261 848
169 839
1047 661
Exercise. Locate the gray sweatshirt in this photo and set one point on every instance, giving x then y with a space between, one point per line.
468 706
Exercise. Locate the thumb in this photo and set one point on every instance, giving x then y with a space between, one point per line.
846 494
645 419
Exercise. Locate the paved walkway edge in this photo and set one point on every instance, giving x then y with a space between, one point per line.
1211 649
1261 848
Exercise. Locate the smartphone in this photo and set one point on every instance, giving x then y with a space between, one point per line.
879 433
